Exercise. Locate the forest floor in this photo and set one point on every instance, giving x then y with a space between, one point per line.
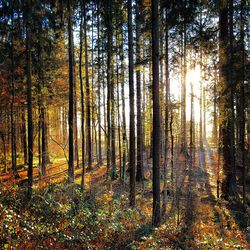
60 216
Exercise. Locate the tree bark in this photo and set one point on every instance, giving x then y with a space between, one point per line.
156 115
164 199
82 101
87 92
242 102
131 108
139 172
229 182
29 98
99 89
71 95
109 58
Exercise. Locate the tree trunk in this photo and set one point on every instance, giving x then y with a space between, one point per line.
156 116
164 199
204 114
229 182
87 89
82 101
12 120
44 148
24 140
192 117
29 98
71 175
99 89
139 172
215 120
124 132
4 153
183 94
131 108
242 103
109 59
201 87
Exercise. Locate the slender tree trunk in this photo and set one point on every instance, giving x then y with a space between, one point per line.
139 172
109 59
215 120
131 108
124 132
29 98
204 114
87 91
156 116
164 199
13 122
44 148
118 111
39 136
46 136
242 102
71 175
92 105
4 153
183 94
82 100
24 140
99 89
192 117
201 87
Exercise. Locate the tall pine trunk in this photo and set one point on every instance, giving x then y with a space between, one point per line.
131 108
156 217
139 172
71 95
29 98
99 88
164 199
87 92
82 101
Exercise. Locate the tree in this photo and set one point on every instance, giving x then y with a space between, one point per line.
131 108
139 172
71 175
242 103
29 97
82 97
156 115
12 87
87 97
108 20
99 87
229 181
164 199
